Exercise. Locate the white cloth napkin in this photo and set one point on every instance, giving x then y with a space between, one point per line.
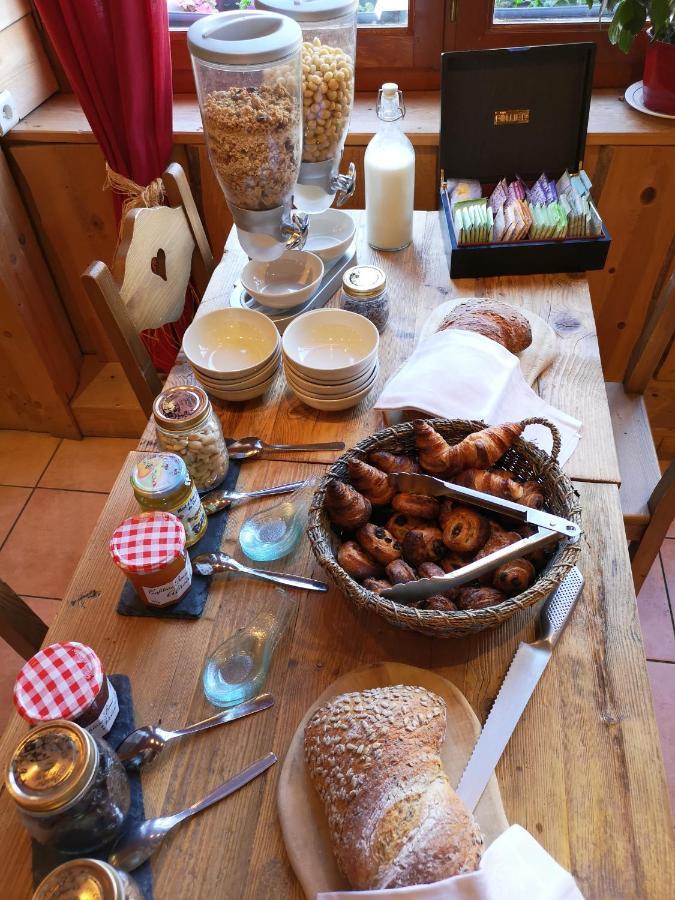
459 374
514 867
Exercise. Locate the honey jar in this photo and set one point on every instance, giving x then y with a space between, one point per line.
150 550
66 681
87 879
161 482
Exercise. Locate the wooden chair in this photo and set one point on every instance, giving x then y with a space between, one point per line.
23 630
647 496
161 247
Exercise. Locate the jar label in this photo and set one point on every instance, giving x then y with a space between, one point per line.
171 592
192 515
101 726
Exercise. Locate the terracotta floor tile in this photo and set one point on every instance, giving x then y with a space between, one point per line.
668 557
91 464
12 500
24 456
40 555
11 662
655 618
662 677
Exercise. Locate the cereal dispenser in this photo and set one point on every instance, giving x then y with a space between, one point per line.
328 56
248 77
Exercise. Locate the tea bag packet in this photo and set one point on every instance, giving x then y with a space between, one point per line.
537 194
517 190
459 190
595 224
499 225
499 195
510 221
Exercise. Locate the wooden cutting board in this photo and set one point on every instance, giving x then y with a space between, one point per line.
300 811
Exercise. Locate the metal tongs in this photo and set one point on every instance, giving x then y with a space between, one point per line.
550 530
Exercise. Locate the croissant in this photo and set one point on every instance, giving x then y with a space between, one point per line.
392 462
441 603
376 585
423 545
479 450
399 572
371 482
479 598
418 505
514 577
499 538
499 483
356 562
346 508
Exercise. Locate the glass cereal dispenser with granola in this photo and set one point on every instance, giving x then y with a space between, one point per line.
328 57
248 77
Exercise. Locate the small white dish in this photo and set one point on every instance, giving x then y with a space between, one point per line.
329 345
635 97
329 390
328 404
284 282
231 342
240 396
330 233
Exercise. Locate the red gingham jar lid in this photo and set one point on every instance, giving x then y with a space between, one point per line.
59 682
147 542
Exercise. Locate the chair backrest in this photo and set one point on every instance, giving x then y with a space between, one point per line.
160 249
654 341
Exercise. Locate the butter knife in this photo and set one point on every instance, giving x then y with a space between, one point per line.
525 670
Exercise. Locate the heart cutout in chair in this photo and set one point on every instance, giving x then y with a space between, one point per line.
158 264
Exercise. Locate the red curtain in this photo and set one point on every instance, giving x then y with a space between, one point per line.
117 56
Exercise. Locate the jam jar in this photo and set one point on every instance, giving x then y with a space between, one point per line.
162 482
150 550
70 788
67 681
87 879
187 425
364 291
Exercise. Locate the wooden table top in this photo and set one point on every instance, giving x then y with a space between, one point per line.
583 771
418 281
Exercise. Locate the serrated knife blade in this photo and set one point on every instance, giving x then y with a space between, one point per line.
522 677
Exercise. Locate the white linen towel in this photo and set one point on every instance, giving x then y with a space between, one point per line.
459 374
514 867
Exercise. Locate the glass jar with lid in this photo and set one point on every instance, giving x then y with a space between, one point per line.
71 790
247 73
364 291
187 425
328 55
87 879
150 550
161 482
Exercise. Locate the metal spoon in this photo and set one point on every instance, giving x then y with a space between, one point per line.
144 744
219 499
249 447
142 840
216 563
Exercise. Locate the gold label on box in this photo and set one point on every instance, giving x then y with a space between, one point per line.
512 117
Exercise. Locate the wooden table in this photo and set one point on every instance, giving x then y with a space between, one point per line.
583 770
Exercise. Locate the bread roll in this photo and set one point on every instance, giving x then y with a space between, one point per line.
498 321
394 820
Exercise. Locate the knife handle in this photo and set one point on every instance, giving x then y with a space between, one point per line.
558 608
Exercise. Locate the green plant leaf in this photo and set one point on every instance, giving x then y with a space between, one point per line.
659 13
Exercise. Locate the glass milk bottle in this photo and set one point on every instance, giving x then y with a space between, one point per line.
390 176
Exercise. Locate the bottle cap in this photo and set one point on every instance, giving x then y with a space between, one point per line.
181 408
59 682
363 282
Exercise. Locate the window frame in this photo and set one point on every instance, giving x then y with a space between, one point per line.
416 47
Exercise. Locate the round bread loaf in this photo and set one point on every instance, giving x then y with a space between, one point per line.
374 759
495 320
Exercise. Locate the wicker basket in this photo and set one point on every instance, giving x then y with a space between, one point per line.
523 459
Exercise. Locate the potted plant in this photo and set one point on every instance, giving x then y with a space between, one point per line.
628 19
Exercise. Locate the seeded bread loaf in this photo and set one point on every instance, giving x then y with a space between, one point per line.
394 820
493 319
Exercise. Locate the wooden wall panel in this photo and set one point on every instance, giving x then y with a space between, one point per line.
24 67
12 10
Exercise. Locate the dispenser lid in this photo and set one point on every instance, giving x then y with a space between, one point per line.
244 38
310 10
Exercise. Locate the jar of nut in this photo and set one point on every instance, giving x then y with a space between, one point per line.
187 425
328 54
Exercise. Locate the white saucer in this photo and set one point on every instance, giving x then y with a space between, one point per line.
635 99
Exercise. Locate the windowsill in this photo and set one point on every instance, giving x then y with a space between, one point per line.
60 120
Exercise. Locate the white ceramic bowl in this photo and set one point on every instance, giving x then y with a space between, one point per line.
330 345
284 282
239 396
364 369
331 404
231 342
235 383
344 389
330 233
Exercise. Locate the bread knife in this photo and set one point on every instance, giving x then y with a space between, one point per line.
525 670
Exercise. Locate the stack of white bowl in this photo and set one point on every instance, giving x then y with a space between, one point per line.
330 358
234 352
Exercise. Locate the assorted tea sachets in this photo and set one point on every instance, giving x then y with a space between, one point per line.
547 210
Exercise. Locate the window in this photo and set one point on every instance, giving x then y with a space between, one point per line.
546 11
371 14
